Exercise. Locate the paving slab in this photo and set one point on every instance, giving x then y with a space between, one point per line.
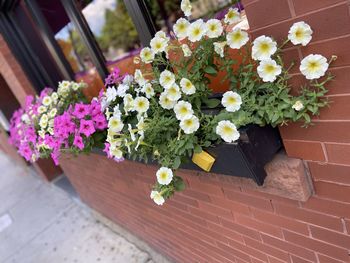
41 223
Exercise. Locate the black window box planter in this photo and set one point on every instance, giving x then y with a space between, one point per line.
244 158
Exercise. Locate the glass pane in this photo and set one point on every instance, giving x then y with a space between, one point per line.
114 32
166 12
78 57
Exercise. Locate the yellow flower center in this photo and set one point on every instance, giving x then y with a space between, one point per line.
264 47
140 104
313 66
158 45
212 27
163 175
232 100
269 68
299 33
196 31
188 122
237 36
227 130
183 110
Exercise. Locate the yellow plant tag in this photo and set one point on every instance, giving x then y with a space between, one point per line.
204 160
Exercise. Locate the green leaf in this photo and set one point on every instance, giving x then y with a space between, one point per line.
210 70
177 162
179 184
212 103
197 149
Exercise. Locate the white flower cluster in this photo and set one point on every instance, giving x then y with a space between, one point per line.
47 112
66 87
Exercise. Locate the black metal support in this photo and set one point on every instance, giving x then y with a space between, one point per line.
49 39
138 11
87 37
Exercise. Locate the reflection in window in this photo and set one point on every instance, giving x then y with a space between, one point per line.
113 29
165 12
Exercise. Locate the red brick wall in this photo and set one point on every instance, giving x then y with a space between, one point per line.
217 218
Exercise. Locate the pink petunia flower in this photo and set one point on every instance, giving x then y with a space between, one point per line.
78 142
81 110
87 127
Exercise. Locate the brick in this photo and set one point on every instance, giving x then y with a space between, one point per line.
259 13
247 250
240 229
321 247
302 7
333 191
323 24
269 250
283 245
226 232
325 259
258 225
320 131
186 200
304 150
339 109
331 237
216 210
338 153
204 215
235 207
195 194
296 259
347 225
275 260
250 200
309 217
281 221
209 189
330 173
325 206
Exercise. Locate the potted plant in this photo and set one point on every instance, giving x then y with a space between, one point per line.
166 112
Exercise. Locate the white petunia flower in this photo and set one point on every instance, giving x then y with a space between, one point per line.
165 101
268 70
158 44
314 66
115 124
43 121
298 105
186 50
161 34
214 28
132 133
237 38
231 101
148 90
174 92
147 55
196 30
54 97
116 152
189 125
183 110
157 198
122 89
228 131
141 104
180 28
42 109
186 7
233 16
219 48
164 175
47 101
116 111
300 33
166 79
52 113
111 94
138 76
42 133
128 103
263 48
187 87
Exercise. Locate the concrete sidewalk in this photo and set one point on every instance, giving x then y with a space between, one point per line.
40 223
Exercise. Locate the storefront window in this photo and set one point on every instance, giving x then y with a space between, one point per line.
165 12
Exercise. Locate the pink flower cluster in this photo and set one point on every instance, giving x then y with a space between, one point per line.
22 127
73 129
